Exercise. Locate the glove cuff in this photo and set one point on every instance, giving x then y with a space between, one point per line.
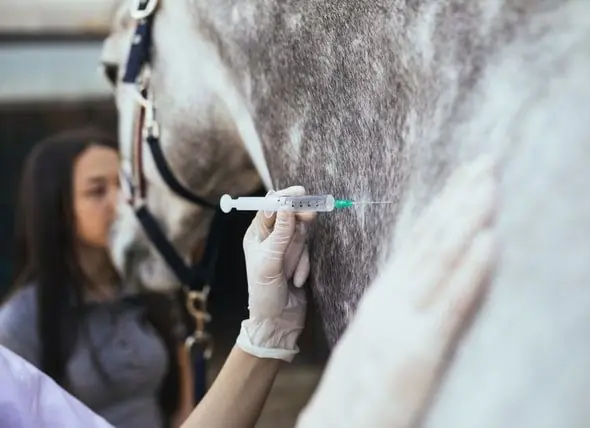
269 339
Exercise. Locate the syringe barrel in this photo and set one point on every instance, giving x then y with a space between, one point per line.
322 203
254 203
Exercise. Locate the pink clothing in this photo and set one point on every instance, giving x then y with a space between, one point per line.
31 399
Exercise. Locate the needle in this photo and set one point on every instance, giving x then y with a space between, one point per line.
347 203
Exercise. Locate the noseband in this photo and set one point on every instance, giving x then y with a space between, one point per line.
195 279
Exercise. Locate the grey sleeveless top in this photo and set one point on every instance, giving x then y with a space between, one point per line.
126 346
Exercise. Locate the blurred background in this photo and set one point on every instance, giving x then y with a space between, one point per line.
50 81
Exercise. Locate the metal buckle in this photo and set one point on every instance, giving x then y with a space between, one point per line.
142 82
138 13
150 125
203 340
196 305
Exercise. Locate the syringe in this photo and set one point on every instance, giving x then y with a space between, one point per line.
320 203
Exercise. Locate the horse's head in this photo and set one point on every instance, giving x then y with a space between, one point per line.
184 110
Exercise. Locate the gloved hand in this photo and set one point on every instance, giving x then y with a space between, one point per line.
277 265
385 367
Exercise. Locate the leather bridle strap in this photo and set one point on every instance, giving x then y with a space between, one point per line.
168 176
195 280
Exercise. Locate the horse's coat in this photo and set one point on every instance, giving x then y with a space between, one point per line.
379 100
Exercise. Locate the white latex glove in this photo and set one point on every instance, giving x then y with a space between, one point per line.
386 366
276 252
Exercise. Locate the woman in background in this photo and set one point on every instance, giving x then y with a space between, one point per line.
120 355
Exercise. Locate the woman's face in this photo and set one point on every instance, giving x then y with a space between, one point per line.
95 192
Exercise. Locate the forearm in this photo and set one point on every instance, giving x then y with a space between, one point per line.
237 396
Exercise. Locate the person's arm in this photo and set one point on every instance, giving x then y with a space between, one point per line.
187 400
277 265
237 396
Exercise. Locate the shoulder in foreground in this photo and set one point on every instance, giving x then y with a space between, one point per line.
18 324
21 304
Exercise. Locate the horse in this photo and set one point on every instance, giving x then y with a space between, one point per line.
222 166
381 100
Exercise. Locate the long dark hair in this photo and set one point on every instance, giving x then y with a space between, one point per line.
45 255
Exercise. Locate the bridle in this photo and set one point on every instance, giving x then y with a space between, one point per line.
195 279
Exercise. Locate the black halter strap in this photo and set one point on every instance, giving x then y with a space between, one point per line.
195 279
139 54
197 276
170 179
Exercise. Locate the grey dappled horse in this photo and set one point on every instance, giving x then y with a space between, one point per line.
380 100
